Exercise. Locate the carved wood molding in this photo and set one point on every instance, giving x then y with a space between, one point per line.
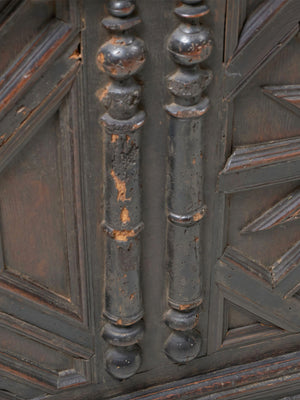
286 210
267 30
286 95
189 45
267 291
32 63
261 164
260 380
121 58
40 91
273 274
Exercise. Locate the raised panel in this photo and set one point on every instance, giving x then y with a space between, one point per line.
46 367
15 346
38 193
45 334
258 269
32 212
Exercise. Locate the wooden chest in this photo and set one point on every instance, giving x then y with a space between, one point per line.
149 199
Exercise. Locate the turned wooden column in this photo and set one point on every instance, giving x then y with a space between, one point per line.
121 58
188 46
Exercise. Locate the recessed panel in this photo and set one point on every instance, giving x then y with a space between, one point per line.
264 246
238 317
32 212
259 118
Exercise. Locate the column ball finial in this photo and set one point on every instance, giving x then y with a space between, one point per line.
121 8
122 362
183 347
190 44
121 57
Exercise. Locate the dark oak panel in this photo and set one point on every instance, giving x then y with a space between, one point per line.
149 199
33 235
258 267
45 334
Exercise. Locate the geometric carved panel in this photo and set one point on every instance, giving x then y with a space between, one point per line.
40 265
283 275
257 274
259 292
252 44
45 337
258 300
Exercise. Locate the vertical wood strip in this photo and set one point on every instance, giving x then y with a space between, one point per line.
235 16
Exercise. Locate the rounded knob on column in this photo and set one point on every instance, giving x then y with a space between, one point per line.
121 57
183 347
121 8
122 363
190 44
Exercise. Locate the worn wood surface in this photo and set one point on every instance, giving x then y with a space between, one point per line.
149 199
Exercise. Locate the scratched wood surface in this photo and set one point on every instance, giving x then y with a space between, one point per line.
149 199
